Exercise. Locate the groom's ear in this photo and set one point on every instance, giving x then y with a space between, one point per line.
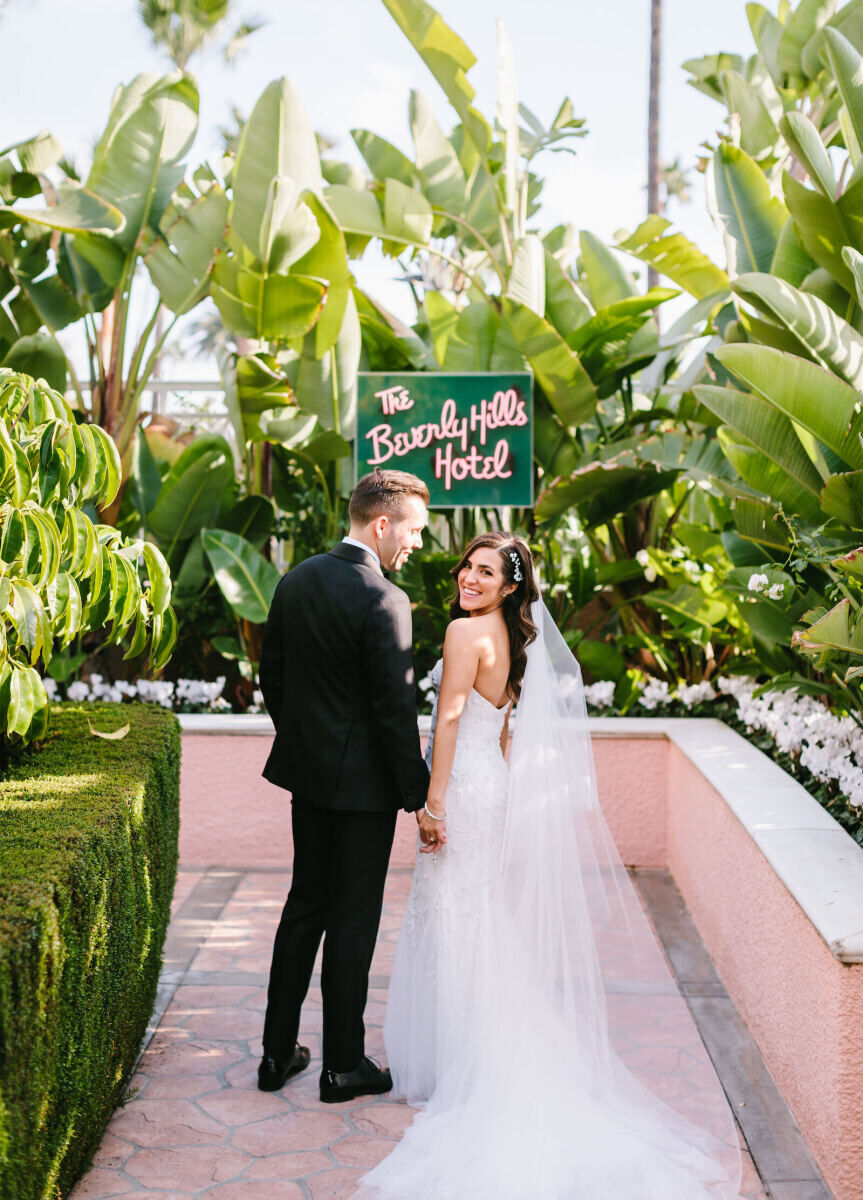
378 527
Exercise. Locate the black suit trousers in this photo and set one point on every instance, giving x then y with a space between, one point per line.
340 866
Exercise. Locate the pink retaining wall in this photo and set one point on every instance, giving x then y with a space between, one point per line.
803 1006
632 780
230 816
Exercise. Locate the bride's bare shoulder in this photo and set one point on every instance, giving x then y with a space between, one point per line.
459 632
463 632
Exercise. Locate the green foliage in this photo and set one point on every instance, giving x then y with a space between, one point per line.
99 234
427 580
675 257
743 207
785 389
620 443
88 858
244 577
177 506
62 573
198 487
263 243
186 27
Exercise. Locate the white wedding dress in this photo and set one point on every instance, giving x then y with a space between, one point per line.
492 1026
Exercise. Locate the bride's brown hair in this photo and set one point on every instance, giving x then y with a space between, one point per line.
515 558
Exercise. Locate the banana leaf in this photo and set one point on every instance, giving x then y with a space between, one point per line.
828 340
442 175
809 395
244 577
607 280
772 433
741 203
601 491
558 371
674 256
448 59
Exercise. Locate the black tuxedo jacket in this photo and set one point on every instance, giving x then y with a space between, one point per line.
337 678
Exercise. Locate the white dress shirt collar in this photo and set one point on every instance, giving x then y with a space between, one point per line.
353 542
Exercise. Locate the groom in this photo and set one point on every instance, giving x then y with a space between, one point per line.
337 678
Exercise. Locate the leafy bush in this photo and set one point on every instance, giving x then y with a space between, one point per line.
61 572
426 579
88 858
783 390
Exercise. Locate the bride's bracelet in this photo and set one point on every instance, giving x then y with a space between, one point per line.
434 816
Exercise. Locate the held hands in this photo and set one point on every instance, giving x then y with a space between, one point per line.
432 832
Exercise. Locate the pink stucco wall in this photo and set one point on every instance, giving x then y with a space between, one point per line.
804 1007
632 780
230 816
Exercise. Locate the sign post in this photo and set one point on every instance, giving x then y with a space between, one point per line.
469 436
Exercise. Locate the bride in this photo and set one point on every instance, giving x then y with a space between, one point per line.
524 952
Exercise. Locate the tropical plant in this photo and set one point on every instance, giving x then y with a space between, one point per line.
61 573
492 294
88 280
171 501
33 302
183 28
783 380
282 283
262 241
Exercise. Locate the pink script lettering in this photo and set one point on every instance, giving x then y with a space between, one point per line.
394 399
449 467
385 443
504 409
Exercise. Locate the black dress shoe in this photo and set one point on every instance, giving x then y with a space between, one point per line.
365 1080
273 1073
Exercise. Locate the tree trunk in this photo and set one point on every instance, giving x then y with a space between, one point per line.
654 203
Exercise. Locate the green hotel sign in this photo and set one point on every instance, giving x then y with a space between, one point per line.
469 436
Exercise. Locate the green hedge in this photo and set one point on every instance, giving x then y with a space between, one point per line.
88 859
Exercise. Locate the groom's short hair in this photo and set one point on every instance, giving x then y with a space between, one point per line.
383 493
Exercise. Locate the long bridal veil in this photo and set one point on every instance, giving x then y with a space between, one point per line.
573 1070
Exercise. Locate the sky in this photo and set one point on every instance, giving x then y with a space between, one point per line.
61 59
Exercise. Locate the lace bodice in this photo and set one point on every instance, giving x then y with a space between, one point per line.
480 721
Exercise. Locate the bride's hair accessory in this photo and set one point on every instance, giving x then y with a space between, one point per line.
518 574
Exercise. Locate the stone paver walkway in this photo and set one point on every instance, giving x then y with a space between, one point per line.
195 1125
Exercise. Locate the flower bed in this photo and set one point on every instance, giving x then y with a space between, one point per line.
822 751
182 696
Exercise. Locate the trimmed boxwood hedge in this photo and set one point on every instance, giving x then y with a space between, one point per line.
88 860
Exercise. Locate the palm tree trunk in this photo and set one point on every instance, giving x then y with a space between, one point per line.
654 203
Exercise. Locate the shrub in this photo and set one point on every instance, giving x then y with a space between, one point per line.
61 575
88 859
